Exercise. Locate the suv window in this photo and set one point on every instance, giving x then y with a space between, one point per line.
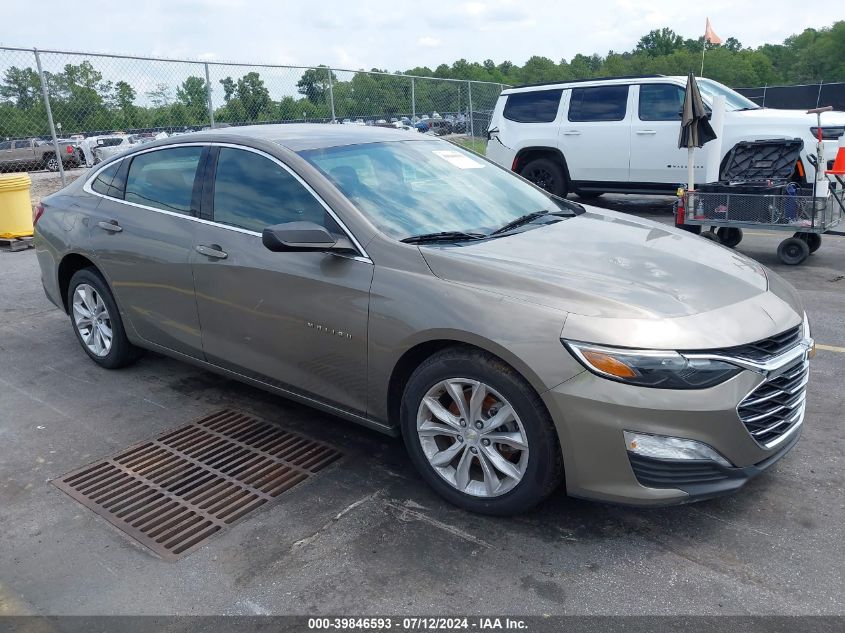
5 145
164 179
103 180
598 103
252 192
660 102
533 107
27 144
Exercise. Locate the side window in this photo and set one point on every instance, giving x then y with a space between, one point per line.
164 179
660 102
253 192
533 107
5 145
102 182
598 103
27 144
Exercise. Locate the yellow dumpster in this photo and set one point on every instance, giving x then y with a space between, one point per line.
15 206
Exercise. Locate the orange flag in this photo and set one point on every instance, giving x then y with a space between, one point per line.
709 35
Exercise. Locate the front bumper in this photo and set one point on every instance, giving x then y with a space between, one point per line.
591 413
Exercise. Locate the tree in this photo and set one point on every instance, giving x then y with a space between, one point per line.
254 96
193 95
22 86
228 88
314 84
660 42
160 95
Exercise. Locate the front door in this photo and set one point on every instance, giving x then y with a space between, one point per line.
296 320
655 157
143 233
595 134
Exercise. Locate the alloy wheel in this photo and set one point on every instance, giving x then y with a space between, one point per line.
542 178
92 320
472 437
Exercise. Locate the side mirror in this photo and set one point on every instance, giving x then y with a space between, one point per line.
303 236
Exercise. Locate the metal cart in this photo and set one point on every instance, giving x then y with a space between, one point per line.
798 212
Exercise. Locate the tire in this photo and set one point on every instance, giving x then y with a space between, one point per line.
546 174
729 236
710 235
814 240
539 468
792 251
87 290
51 163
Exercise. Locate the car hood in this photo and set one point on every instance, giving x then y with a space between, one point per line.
606 265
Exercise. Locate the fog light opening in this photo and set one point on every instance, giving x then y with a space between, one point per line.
666 447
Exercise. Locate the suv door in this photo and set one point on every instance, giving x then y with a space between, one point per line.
655 157
295 320
22 152
595 134
141 236
523 119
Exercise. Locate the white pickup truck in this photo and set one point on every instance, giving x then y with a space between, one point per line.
621 135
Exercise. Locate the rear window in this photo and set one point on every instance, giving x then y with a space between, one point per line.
533 107
164 179
598 103
102 182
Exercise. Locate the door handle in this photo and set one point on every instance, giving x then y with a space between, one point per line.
646 131
212 250
571 133
111 226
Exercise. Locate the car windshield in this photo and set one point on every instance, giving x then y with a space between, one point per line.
411 188
733 100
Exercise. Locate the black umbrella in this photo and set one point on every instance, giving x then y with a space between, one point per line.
695 128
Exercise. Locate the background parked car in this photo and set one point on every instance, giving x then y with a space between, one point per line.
34 153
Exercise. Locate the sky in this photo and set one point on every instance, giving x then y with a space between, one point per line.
385 34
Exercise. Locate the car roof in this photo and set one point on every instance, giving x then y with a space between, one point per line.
597 81
304 136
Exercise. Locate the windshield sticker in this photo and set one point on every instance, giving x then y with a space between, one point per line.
461 161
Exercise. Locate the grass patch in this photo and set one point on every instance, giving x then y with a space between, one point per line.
477 145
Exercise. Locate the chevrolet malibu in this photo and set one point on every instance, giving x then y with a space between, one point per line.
514 340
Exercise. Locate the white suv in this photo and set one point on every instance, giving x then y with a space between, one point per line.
621 135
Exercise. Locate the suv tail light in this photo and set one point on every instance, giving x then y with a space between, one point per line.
69 149
37 212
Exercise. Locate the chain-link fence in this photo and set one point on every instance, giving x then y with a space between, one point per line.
92 101
798 97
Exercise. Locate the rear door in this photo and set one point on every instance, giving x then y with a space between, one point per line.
523 119
22 152
295 320
655 157
142 234
595 134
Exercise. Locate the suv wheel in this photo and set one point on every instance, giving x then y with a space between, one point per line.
479 434
97 322
546 174
51 163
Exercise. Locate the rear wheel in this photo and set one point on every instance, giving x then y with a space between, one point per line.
97 322
546 174
729 236
479 434
51 163
814 240
793 251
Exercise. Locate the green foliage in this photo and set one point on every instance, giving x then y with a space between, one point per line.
83 102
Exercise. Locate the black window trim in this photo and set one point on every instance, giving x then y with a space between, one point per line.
627 87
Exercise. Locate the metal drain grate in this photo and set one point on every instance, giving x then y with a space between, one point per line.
180 488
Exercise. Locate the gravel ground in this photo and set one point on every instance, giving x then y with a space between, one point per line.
46 182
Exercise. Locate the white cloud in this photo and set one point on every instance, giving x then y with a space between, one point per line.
429 42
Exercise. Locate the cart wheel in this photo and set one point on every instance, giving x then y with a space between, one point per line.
730 236
814 240
692 228
711 235
793 251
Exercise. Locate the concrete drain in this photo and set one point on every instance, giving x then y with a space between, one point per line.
177 490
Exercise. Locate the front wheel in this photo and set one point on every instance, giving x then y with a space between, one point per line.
479 434
96 321
793 251
546 174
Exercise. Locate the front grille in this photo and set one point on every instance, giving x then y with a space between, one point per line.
777 405
766 349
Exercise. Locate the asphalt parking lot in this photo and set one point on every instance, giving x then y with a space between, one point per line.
367 536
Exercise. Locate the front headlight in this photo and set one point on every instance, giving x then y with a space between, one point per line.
647 368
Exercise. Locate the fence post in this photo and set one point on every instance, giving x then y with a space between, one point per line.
413 102
208 94
469 97
46 95
331 93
